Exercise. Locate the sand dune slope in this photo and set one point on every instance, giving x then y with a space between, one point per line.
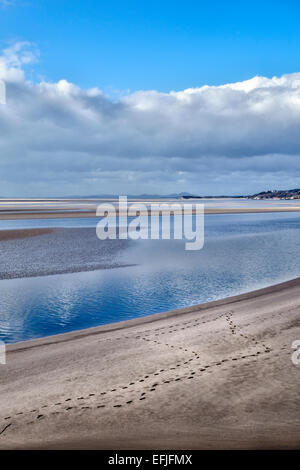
218 375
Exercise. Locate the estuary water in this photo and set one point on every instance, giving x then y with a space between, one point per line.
242 252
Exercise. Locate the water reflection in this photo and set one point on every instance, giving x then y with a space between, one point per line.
241 253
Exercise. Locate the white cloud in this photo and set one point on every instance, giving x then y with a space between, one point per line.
14 58
56 138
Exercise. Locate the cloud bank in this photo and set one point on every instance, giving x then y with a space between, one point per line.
59 139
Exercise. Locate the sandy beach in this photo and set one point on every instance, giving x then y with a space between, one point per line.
213 376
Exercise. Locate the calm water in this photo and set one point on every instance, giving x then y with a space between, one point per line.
242 252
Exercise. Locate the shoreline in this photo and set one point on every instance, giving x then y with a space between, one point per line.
212 376
120 326
17 234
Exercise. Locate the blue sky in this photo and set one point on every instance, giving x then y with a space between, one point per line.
160 45
132 97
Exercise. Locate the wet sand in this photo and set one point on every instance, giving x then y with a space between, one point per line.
213 376
62 214
57 208
44 252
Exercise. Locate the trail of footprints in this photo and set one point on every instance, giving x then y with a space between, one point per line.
158 331
236 330
131 389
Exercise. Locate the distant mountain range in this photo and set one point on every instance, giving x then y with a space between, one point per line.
131 196
183 195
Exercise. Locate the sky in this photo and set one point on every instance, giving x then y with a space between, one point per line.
149 97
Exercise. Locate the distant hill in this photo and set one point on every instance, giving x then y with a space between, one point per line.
277 194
